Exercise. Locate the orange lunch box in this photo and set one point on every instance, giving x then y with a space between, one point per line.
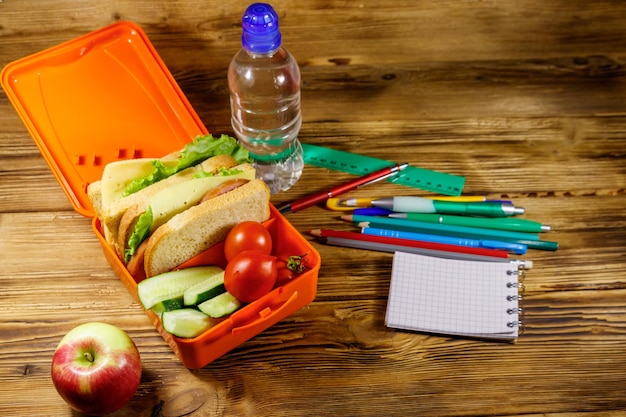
107 96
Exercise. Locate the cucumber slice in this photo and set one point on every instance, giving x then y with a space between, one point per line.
168 305
186 322
202 291
220 305
171 284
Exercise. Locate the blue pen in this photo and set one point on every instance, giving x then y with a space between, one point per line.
499 201
372 211
516 248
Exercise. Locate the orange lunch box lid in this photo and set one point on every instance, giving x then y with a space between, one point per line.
102 97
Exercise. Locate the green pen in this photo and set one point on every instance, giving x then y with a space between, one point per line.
426 205
535 244
499 223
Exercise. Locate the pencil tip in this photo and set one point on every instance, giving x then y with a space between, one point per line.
315 232
347 217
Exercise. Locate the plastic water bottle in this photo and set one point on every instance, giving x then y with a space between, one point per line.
264 83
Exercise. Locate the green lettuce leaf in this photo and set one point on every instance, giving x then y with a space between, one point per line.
202 148
139 234
241 154
160 173
224 172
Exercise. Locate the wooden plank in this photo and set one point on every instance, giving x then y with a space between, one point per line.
525 99
374 31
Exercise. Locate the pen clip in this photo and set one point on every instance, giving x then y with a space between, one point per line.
393 173
348 204
375 180
335 204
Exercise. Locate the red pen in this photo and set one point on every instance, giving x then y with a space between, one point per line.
321 196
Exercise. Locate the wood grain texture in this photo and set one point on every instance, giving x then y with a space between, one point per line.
523 98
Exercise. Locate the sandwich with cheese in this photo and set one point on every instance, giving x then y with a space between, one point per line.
159 213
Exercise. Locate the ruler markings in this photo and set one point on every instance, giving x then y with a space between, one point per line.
356 164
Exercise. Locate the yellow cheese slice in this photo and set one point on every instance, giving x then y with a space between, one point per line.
174 199
117 175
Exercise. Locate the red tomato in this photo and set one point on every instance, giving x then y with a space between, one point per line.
289 267
248 235
250 275
284 275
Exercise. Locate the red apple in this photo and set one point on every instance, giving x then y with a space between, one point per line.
96 368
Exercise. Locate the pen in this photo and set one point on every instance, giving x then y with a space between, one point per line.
510 247
367 202
313 199
336 204
372 211
529 239
391 244
366 209
500 223
426 205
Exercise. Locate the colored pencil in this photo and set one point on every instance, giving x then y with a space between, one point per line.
510 247
391 244
530 239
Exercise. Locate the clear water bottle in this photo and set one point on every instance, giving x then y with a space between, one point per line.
264 83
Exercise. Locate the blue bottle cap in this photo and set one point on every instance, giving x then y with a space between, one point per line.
260 29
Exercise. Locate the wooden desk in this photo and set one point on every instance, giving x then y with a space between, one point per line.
523 98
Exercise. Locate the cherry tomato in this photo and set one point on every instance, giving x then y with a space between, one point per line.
289 267
247 235
250 275
284 274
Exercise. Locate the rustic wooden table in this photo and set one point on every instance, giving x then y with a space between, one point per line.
525 99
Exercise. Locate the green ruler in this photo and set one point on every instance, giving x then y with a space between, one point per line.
437 182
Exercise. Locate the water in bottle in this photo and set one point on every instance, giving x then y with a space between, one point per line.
264 83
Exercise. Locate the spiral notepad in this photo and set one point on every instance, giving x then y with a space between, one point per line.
455 297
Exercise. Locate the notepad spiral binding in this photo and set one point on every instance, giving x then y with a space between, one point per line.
519 311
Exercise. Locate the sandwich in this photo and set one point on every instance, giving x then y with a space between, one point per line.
158 213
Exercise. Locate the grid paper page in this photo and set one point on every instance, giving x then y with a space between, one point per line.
457 297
